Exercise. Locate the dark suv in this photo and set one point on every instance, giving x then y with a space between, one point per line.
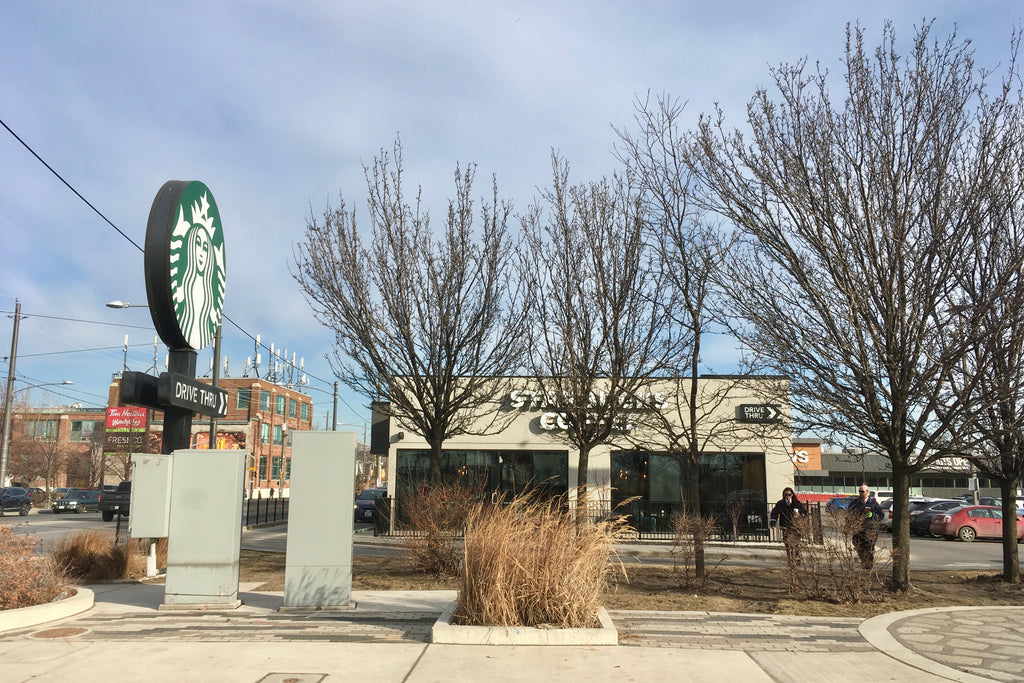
15 498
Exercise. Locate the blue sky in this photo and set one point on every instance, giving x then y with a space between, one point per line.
276 107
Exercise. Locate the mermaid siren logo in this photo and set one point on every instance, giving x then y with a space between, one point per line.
197 271
185 270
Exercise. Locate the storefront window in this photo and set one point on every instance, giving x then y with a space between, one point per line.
504 473
649 487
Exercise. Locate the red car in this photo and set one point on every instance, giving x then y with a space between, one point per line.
973 521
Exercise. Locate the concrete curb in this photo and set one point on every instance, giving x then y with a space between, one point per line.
876 631
24 617
444 633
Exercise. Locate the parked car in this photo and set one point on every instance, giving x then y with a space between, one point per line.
366 504
78 500
881 496
922 512
15 499
838 503
970 522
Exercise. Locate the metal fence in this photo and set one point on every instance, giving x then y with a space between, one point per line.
264 511
653 521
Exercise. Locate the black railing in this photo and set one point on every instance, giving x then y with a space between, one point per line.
264 511
748 523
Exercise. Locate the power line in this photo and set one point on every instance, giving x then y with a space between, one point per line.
98 348
80 320
135 244
68 185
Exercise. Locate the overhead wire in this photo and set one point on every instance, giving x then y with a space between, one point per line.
136 245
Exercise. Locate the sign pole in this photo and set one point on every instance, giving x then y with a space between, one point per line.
178 421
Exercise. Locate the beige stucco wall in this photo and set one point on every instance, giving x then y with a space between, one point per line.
720 430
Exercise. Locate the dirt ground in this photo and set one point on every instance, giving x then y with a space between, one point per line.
730 589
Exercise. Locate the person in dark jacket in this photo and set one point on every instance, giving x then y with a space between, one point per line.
864 514
785 514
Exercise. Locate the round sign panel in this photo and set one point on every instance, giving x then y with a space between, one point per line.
185 271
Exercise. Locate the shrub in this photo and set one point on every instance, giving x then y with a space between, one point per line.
93 555
437 516
831 571
25 579
691 533
529 563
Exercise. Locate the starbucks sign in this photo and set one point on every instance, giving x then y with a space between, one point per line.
185 270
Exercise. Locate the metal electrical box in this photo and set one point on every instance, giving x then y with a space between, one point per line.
151 495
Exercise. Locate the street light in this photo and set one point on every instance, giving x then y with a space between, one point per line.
5 444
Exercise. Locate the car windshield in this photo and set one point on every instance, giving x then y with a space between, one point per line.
370 494
78 495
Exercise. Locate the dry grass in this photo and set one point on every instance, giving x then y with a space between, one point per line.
528 563
26 579
92 555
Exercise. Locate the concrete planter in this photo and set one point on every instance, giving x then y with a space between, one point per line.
444 632
25 617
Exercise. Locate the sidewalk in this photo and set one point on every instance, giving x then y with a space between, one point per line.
386 638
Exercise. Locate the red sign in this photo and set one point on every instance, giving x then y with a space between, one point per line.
127 418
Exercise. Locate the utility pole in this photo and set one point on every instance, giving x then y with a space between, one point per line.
5 444
216 382
334 425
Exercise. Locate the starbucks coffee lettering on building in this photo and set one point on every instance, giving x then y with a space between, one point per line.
553 420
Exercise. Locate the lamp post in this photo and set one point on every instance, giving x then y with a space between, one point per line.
5 445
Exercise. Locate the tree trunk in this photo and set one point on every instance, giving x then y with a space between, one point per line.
582 473
1011 556
435 462
900 529
692 506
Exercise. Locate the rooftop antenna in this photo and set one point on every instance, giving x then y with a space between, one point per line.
225 370
256 354
156 350
245 367
126 353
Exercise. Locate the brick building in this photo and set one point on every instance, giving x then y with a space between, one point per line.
58 446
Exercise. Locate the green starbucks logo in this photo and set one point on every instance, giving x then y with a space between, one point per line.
197 270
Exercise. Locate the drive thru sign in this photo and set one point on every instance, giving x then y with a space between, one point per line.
758 412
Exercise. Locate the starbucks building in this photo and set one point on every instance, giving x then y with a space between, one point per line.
742 425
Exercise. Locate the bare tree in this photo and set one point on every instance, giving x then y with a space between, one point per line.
692 253
992 288
855 207
45 455
601 331
421 321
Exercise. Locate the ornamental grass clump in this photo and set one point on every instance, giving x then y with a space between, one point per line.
93 555
529 563
25 578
